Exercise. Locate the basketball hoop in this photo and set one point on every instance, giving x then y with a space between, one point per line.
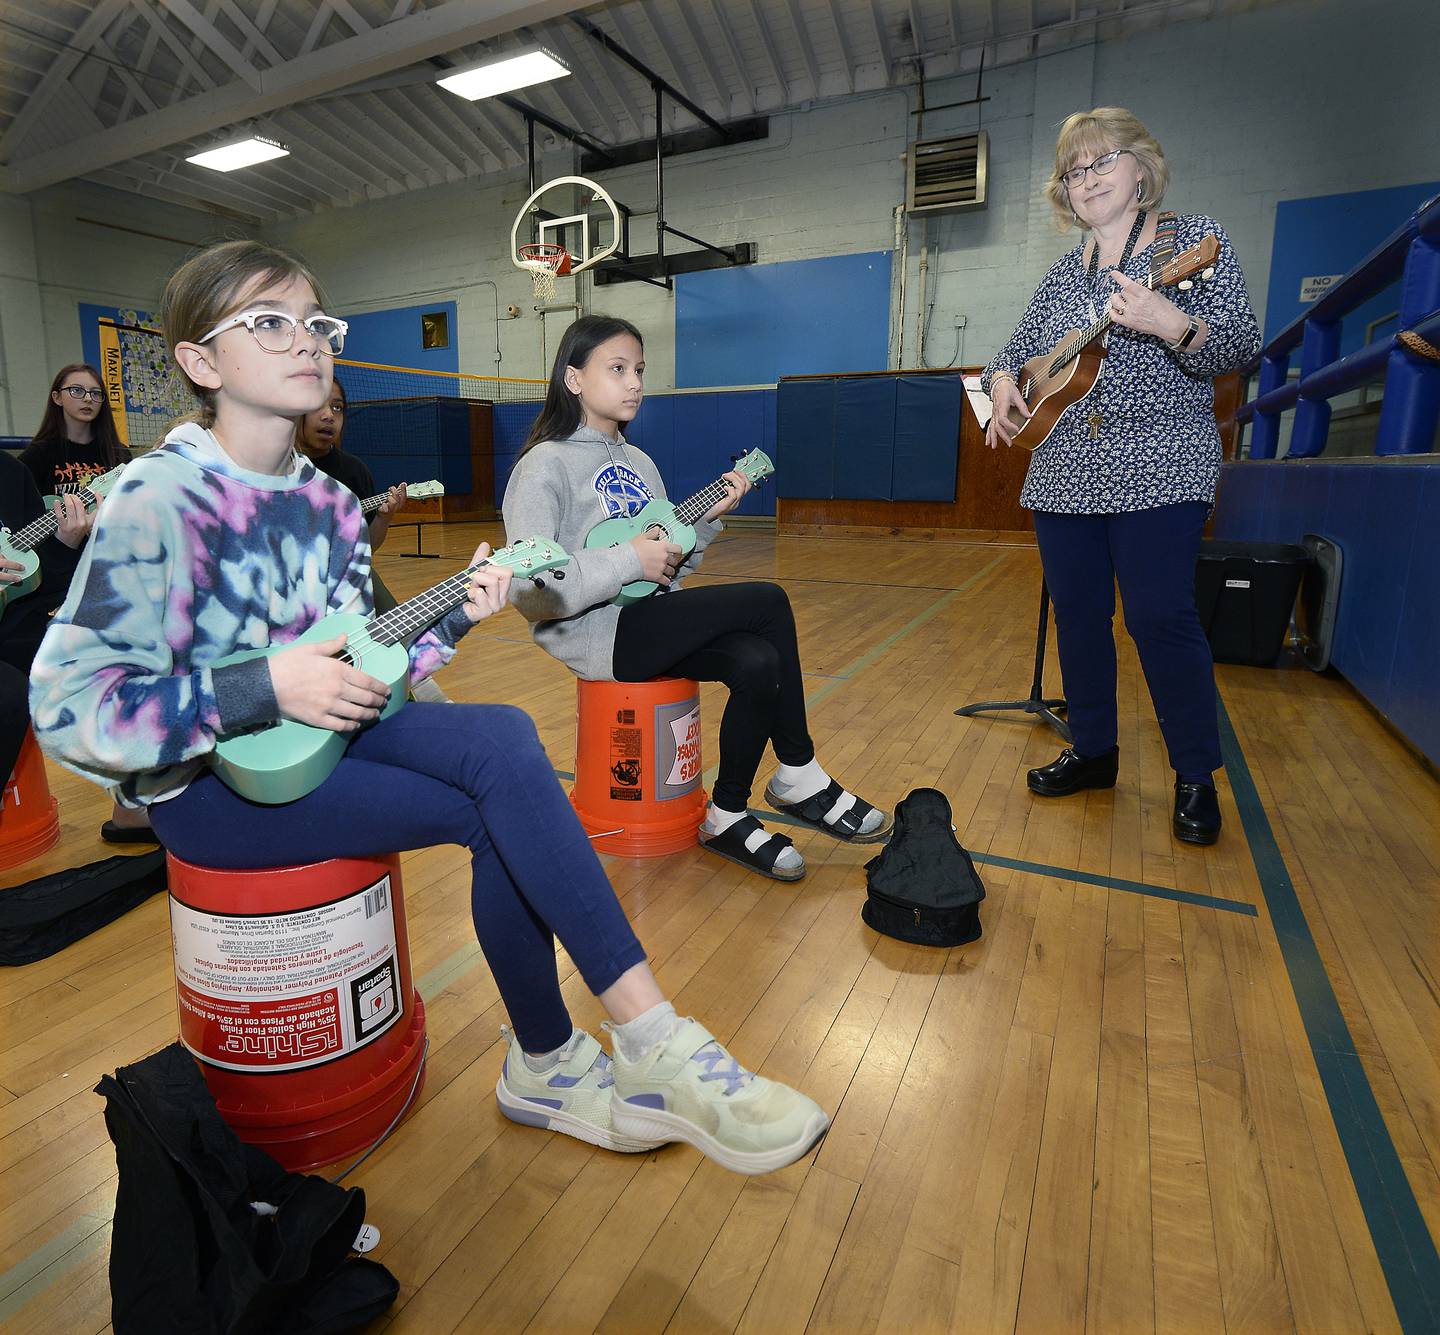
545 261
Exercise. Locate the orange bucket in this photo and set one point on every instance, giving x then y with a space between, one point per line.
29 816
637 765
294 992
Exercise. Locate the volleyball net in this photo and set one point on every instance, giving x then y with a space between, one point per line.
147 393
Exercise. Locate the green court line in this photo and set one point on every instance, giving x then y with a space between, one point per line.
38 1271
1401 1239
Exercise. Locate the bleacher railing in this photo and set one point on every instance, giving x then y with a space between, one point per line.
1407 359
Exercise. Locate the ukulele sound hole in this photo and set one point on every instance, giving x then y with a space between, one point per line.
657 531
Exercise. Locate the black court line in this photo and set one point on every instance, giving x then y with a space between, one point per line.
1397 1228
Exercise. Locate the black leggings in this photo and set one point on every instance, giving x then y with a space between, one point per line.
743 635
14 717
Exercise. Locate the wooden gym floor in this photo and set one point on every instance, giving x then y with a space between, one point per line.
1171 1089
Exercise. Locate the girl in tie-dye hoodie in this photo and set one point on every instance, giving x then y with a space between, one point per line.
223 539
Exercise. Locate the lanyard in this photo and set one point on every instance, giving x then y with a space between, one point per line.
1092 270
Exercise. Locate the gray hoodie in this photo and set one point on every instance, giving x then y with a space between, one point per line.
561 489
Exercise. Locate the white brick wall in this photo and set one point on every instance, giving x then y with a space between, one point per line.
1306 98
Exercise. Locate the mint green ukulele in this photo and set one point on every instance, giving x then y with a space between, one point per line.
286 760
23 544
670 523
414 491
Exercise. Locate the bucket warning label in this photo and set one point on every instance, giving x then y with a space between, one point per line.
626 764
677 749
279 992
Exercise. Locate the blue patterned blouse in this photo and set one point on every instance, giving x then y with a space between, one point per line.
1158 443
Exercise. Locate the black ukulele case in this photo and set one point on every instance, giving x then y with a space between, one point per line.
923 887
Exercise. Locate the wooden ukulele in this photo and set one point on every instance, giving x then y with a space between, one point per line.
1055 380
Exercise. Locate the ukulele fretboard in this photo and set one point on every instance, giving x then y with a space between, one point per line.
31 535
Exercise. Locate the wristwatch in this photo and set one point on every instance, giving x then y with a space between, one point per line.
1192 329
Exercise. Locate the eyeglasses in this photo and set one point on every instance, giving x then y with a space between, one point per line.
275 331
1102 166
78 392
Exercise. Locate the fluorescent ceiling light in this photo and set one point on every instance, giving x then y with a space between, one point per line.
503 74
231 157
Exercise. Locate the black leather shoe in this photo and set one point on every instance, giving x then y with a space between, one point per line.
1197 813
1069 773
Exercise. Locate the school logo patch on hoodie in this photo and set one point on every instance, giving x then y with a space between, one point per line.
622 491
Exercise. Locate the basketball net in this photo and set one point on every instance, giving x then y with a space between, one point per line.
544 263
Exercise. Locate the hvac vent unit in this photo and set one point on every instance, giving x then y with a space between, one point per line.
947 175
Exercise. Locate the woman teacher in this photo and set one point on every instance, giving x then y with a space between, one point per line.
1123 486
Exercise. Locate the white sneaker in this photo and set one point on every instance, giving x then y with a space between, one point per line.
575 1096
690 1089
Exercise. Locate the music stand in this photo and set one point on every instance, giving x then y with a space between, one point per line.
1036 703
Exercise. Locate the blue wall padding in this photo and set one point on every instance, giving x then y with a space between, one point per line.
862 456
865 438
413 441
691 438
927 437
1384 516
805 435
752 324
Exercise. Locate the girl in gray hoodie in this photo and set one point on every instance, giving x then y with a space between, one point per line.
576 470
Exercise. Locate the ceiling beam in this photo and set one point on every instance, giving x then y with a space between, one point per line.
59 72
407 40
742 70
712 70
772 54
672 54
846 59
215 41
807 49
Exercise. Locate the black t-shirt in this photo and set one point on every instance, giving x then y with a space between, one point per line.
60 466
63 465
348 470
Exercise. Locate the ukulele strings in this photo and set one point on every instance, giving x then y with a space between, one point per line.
1071 350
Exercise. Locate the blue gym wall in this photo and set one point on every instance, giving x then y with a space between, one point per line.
753 324
1330 234
1383 514
392 338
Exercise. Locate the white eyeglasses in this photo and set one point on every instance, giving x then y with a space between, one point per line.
275 331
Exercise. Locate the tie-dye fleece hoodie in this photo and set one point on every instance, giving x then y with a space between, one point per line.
192 558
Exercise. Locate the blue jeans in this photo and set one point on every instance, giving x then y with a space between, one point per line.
1153 554
474 775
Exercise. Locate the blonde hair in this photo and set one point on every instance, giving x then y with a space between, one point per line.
1090 134
213 284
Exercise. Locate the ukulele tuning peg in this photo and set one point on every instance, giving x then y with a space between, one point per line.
1208 274
1184 284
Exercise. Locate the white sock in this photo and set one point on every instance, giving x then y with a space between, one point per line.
794 783
636 1037
718 820
541 1062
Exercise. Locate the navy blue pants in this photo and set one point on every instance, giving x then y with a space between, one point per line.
1152 553
474 775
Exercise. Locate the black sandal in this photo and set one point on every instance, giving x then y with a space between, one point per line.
813 810
730 844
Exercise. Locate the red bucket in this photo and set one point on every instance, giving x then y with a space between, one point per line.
638 766
295 995
29 816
